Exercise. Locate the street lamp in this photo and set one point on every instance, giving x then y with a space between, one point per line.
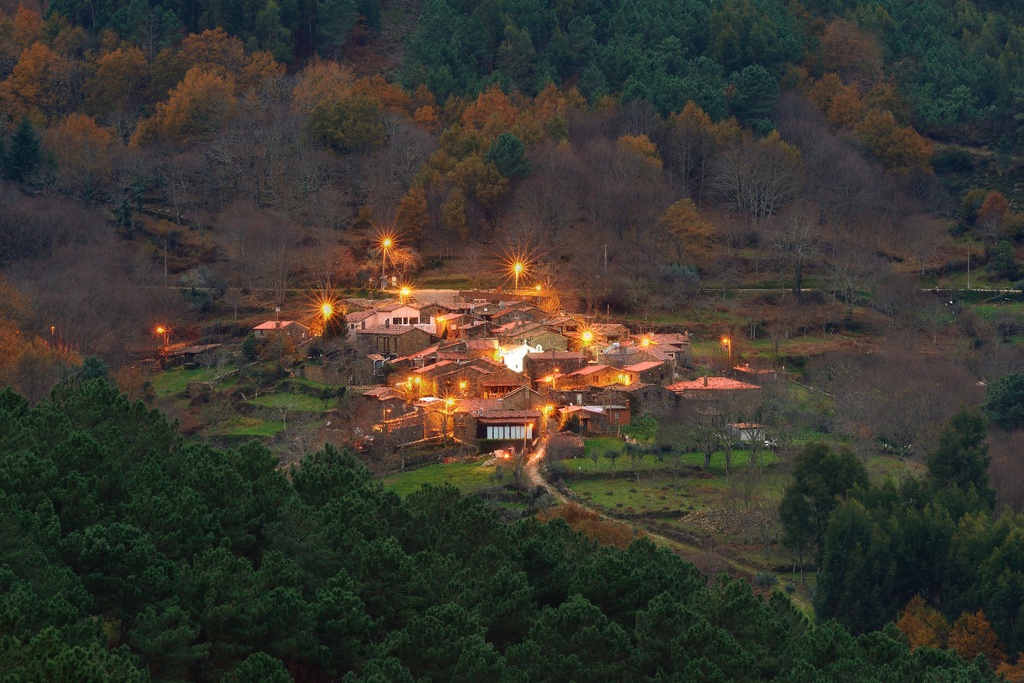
162 331
727 343
405 292
517 268
386 243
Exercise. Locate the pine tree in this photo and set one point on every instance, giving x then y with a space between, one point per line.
22 155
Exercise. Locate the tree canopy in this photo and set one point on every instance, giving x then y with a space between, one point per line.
127 554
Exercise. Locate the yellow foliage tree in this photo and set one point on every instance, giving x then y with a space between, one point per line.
689 233
322 83
900 149
923 625
197 106
642 146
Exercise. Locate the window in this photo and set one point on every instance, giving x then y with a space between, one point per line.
510 431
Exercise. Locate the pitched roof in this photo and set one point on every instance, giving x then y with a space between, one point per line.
278 325
390 330
432 367
641 367
713 384
381 393
357 316
555 355
474 405
589 370
506 414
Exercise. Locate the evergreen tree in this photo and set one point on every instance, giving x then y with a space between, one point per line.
23 153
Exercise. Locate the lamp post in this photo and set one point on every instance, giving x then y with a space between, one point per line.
517 269
727 343
386 243
162 331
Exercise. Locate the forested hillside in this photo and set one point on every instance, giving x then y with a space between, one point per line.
244 151
128 556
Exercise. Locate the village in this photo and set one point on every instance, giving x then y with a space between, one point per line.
493 372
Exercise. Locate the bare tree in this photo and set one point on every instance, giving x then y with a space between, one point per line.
852 273
756 178
797 243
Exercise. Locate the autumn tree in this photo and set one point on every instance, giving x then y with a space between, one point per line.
690 233
40 86
900 148
923 625
851 52
972 635
117 84
83 152
198 106
412 218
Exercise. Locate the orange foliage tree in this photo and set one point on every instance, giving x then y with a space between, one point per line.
972 635
40 85
82 151
899 148
923 625
491 114
197 106
118 82
214 50
851 51
689 234
322 83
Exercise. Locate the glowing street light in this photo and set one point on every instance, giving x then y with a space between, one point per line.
517 269
326 310
162 331
405 292
587 337
727 343
462 386
386 244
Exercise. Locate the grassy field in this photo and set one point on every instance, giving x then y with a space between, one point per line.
291 402
465 476
174 381
248 426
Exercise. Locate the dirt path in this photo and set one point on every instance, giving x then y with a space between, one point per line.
687 550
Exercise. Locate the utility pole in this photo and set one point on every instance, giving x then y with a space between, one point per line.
968 268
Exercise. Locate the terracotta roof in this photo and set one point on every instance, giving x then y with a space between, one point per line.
589 370
277 325
556 355
391 330
507 414
489 344
357 316
431 367
646 365
381 393
472 405
670 338
713 384
419 354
